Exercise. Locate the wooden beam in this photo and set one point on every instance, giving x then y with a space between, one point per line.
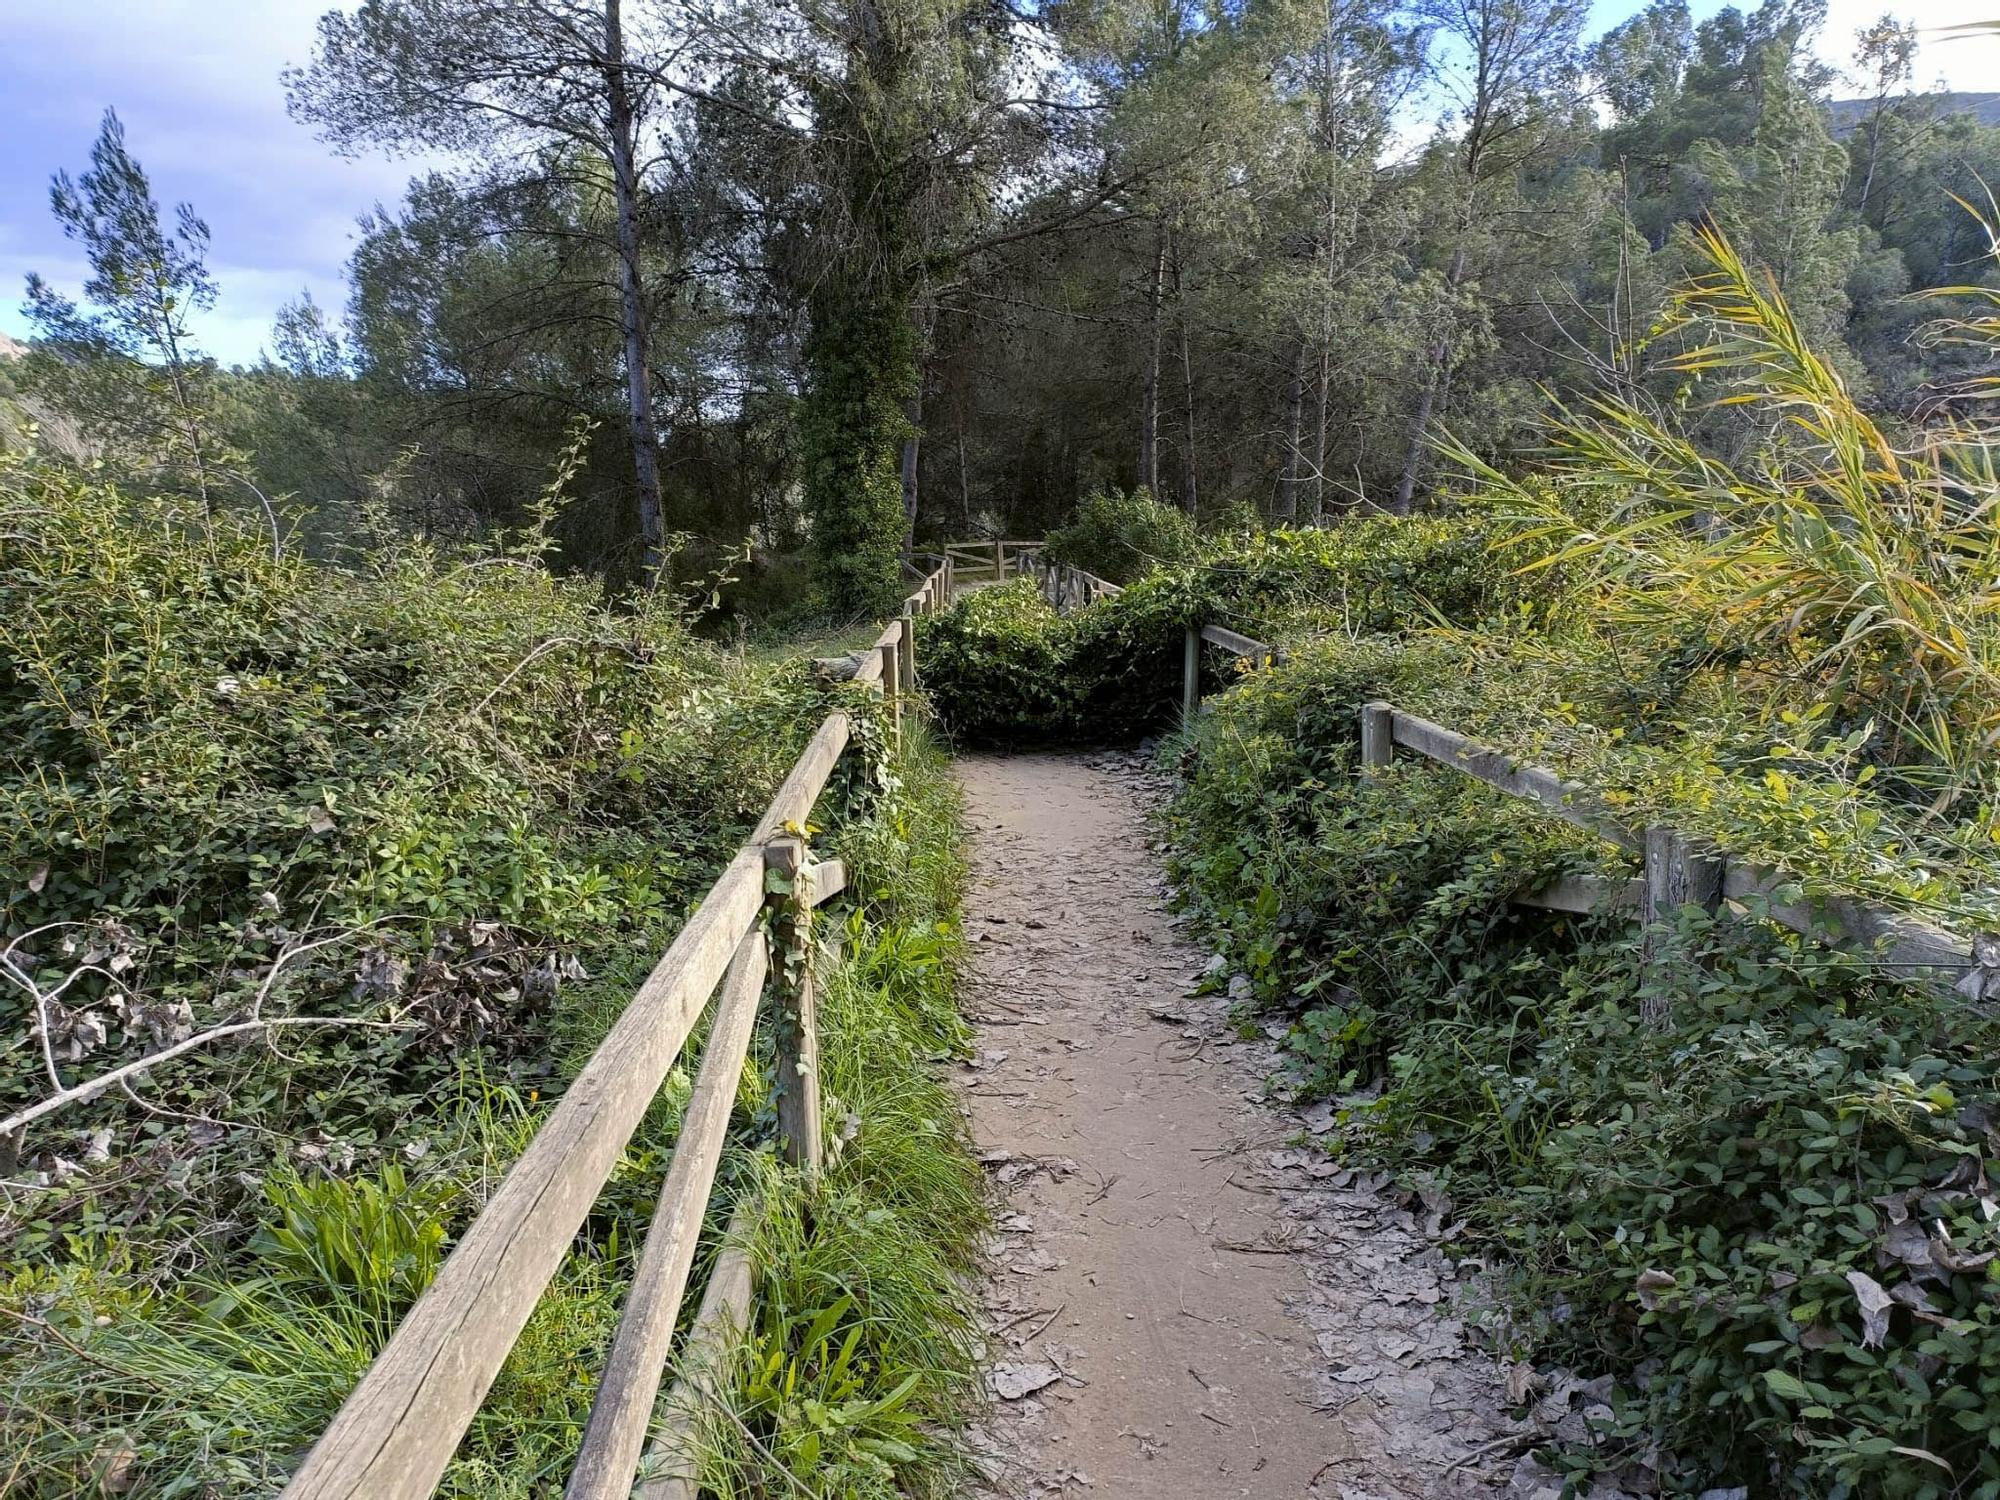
1229 640
1566 799
1378 736
622 1409
829 879
1585 894
702 1368
1191 674
1905 943
801 789
399 1427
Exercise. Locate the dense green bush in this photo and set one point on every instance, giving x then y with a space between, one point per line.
1004 667
1122 537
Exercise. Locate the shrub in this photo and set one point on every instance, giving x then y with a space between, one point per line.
1002 667
1124 536
493 796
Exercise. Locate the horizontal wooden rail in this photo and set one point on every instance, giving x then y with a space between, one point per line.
1584 894
398 1428
1905 943
1678 870
990 558
616 1433
1257 653
1066 587
829 879
1566 799
702 1369
401 1424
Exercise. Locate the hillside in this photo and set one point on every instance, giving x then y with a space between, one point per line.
1846 114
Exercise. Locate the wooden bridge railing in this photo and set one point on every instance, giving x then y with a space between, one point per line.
988 561
1066 587
397 1430
1678 869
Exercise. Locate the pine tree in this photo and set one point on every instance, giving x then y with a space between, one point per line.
126 362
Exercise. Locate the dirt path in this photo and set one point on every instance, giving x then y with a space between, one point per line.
1182 1305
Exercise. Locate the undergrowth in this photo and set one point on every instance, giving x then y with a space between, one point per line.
434 813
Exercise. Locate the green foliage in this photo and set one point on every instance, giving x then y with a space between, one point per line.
1002 666
1719 1211
1122 537
372 1243
125 362
861 359
429 790
1850 570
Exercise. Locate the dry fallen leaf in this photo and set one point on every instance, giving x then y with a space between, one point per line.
1651 1284
1874 1303
1010 1381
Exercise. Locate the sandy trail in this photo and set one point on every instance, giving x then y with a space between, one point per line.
1181 1306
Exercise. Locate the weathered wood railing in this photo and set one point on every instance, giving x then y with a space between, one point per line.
397 1430
1677 869
1068 587
988 561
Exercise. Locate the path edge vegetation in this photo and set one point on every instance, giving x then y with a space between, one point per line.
1771 1218
462 800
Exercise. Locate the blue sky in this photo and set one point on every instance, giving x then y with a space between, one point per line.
196 82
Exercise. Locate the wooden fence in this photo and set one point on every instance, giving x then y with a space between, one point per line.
987 562
980 562
399 1427
1677 869
1066 587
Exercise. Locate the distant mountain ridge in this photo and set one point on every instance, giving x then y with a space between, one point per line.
1849 113
11 348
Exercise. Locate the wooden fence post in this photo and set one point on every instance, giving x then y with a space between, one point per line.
892 684
788 898
999 561
906 650
1191 674
1678 873
1378 736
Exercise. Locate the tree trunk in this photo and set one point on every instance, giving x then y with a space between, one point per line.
964 483
1874 155
1323 416
1293 478
1437 357
1149 392
632 295
1188 495
910 484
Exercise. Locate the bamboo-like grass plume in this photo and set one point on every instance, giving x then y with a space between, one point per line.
1842 561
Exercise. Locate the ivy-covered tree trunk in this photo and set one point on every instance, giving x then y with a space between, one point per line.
861 379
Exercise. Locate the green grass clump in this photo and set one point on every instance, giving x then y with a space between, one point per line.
862 1362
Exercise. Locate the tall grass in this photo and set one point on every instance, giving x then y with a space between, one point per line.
1841 562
